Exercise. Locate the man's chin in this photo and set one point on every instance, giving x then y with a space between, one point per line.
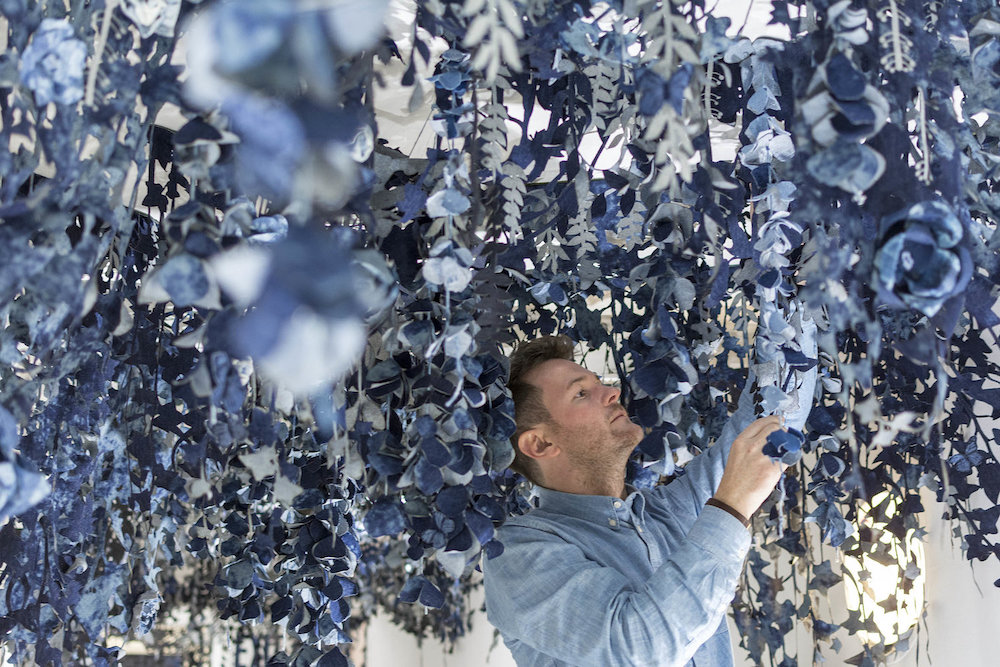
631 433
626 423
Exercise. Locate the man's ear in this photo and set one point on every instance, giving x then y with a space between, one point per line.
533 444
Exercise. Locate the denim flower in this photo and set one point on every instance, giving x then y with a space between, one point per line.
785 446
454 118
52 64
447 202
921 263
842 104
770 142
848 165
549 293
183 280
283 49
272 144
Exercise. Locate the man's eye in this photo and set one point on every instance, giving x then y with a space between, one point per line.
581 393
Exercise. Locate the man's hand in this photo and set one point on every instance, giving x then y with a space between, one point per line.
750 475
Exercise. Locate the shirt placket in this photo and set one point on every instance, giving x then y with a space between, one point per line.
631 515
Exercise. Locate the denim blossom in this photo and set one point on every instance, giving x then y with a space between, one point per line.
921 263
53 62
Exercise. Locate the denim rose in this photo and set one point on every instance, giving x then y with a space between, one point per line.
920 263
52 63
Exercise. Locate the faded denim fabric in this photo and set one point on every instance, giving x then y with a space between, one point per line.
595 580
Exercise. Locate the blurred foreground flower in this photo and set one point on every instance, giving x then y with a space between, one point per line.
20 488
52 63
311 299
281 72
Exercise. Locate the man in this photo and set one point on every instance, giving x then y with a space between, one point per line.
601 574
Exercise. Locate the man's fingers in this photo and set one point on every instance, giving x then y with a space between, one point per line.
762 426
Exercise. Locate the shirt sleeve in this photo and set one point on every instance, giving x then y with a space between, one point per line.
544 592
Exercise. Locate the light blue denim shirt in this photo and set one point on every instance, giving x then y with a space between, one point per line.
599 581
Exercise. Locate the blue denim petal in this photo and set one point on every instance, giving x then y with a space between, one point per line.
844 80
184 278
934 272
848 165
940 219
385 517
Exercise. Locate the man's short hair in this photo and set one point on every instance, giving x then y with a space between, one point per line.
529 410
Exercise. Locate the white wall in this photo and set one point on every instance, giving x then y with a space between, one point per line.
390 647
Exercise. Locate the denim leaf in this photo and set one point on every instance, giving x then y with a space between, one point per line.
153 16
835 529
385 517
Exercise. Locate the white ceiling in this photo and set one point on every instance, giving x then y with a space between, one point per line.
411 132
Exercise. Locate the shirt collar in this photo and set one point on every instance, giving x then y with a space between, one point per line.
592 508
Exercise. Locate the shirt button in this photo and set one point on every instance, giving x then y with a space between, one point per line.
612 523
639 528
618 504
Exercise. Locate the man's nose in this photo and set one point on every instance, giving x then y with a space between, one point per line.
613 393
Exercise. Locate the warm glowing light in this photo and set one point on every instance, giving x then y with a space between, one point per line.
873 585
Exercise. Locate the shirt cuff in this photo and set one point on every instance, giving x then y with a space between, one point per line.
721 534
715 502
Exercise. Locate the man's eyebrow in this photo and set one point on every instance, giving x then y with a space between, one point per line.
582 378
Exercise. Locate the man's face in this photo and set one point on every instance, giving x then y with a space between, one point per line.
588 422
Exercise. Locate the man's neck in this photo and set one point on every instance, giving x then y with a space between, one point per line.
593 481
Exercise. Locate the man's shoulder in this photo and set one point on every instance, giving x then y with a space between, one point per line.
523 535
533 521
